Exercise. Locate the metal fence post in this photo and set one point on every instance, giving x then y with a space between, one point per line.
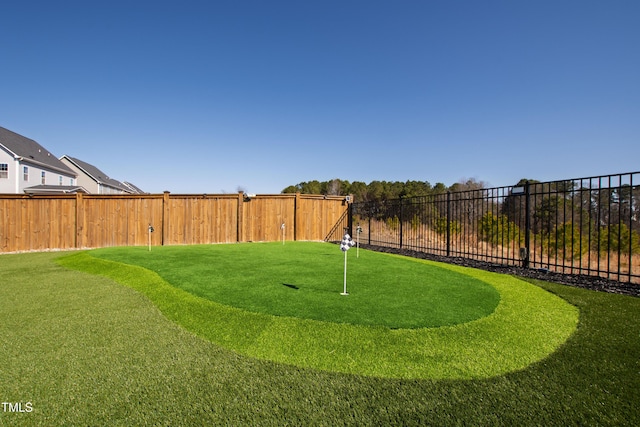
350 218
370 214
401 218
448 231
527 226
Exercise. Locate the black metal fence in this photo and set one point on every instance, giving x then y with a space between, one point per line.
578 226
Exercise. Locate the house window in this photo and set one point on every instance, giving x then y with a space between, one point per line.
60 180
25 173
43 180
4 170
70 181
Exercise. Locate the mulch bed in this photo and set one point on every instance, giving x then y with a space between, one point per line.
594 283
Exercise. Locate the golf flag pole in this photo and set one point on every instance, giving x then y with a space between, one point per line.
282 228
345 245
344 292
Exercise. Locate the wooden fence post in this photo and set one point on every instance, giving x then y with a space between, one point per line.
79 219
165 217
296 216
240 213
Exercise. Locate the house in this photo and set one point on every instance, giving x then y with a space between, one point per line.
27 167
96 181
134 189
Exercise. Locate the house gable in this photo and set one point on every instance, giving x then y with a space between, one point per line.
93 178
26 150
25 163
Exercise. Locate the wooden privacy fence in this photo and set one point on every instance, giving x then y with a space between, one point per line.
49 222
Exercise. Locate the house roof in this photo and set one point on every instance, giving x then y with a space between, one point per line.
134 188
96 174
55 189
29 151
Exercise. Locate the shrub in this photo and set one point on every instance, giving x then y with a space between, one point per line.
393 223
498 229
415 222
440 226
566 240
616 238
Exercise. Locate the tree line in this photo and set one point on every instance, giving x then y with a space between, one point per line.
376 191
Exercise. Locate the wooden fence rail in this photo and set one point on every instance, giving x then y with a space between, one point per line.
52 222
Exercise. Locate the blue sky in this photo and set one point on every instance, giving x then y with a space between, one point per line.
217 96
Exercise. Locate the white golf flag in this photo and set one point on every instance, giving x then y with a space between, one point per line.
347 243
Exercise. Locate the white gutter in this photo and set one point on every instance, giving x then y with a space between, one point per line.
48 167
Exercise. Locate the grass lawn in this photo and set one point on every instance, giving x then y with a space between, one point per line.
85 350
233 295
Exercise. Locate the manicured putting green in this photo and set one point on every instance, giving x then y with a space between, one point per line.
262 300
305 280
